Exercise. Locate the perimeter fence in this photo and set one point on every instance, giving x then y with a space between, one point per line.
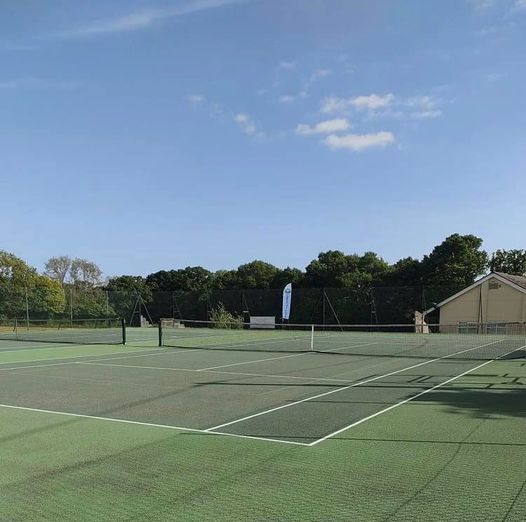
378 305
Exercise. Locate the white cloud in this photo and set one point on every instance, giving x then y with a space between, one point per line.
324 127
372 101
426 115
481 4
494 77
424 107
144 18
196 99
286 98
519 4
333 104
245 123
288 66
359 142
316 76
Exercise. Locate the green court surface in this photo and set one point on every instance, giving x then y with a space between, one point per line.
136 432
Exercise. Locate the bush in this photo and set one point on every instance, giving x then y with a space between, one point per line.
222 318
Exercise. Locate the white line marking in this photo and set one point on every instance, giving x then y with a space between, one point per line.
365 419
34 366
150 424
241 374
288 405
75 357
168 352
33 349
279 357
252 362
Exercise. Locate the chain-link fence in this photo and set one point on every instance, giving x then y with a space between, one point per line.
380 305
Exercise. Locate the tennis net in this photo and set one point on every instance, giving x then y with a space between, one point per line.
76 331
486 342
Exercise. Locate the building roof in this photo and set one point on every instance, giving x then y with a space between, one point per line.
515 281
518 280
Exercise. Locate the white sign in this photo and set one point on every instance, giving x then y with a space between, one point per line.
287 298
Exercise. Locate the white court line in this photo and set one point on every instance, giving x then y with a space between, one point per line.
279 357
365 419
288 405
34 366
150 424
252 362
242 374
78 357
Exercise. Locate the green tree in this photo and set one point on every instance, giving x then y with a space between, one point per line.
327 270
336 269
189 278
223 279
256 274
21 285
285 276
509 261
130 284
46 295
405 272
457 261
15 271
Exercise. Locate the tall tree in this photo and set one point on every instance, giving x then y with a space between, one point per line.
85 273
285 276
58 268
21 285
405 272
335 269
132 285
189 278
256 274
327 270
509 261
457 261
15 271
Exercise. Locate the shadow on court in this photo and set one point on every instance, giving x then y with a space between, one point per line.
481 403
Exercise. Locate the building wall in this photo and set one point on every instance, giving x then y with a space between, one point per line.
500 303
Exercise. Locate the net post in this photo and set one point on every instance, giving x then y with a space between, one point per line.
123 326
312 338
160 330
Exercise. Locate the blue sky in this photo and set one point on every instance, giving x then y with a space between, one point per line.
156 135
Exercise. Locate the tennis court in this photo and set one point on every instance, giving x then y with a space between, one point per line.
259 390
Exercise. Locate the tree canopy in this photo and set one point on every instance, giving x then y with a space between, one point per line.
509 261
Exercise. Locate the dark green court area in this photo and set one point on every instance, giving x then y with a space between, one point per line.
193 434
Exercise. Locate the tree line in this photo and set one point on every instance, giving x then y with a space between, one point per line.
75 287
458 261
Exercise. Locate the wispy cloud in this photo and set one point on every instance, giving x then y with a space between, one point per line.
286 98
424 107
359 142
38 83
196 99
481 4
509 5
494 77
324 127
245 123
334 105
287 66
143 19
314 77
